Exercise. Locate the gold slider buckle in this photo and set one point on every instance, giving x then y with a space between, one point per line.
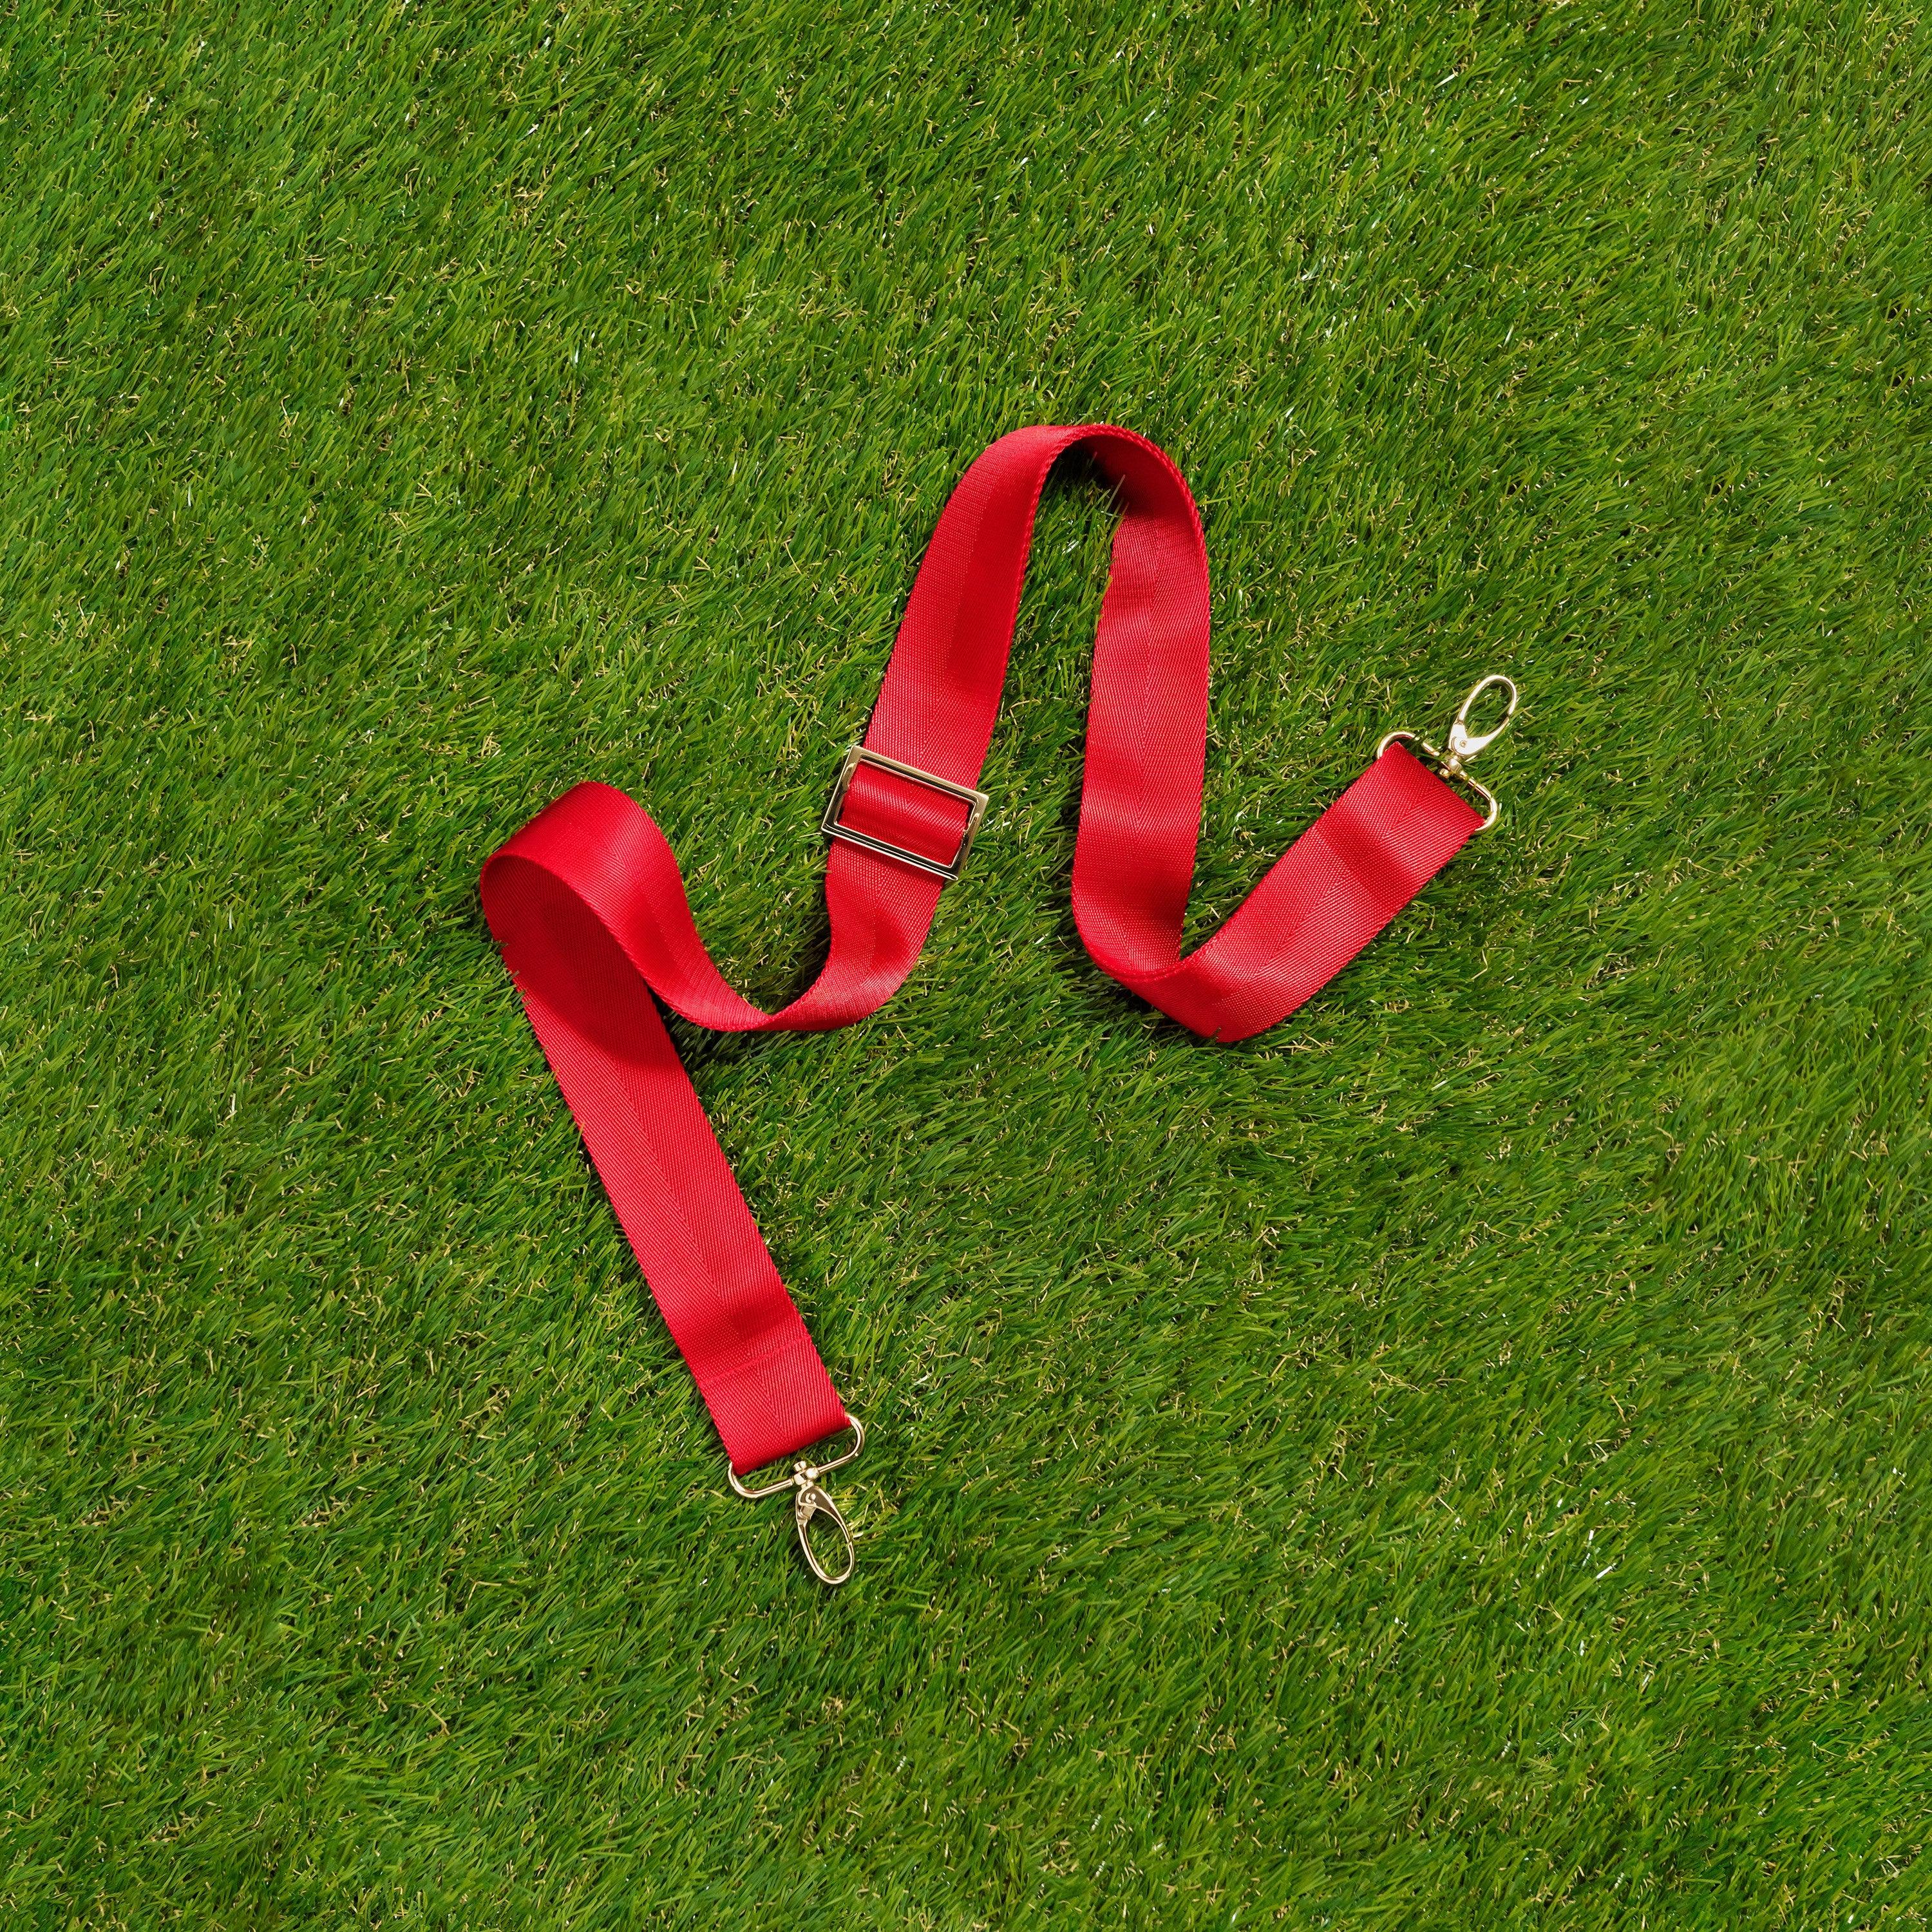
1464 744
809 1500
975 803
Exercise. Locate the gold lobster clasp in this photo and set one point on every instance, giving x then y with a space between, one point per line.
810 1500
1464 743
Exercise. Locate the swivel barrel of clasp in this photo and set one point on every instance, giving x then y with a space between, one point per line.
811 1501
1464 743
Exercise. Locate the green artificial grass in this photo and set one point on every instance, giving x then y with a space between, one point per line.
1456 1460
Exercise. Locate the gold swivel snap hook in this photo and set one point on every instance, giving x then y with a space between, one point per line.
1464 743
810 1500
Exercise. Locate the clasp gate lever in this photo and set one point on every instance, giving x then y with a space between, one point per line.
1464 744
810 1499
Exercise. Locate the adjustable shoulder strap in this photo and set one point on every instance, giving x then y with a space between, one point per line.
588 908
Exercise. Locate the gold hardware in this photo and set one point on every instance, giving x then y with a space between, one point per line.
975 803
812 1501
1464 744
809 1499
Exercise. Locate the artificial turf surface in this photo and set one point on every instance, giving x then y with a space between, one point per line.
1455 1460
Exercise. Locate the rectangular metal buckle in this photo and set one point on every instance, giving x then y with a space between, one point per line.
975 801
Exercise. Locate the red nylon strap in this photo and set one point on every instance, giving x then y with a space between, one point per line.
589 909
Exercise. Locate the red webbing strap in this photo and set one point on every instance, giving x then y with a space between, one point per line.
588 905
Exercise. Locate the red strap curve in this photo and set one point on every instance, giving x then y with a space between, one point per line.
588 908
